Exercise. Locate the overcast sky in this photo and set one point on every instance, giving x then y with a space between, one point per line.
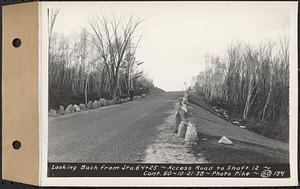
177 35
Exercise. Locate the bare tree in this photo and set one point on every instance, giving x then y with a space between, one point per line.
52 15
99 62
268 60
82 54
112 39
251 79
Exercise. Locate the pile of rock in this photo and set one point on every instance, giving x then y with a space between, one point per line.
90 105
76 108
183 127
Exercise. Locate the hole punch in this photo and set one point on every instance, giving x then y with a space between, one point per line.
16 42
16 144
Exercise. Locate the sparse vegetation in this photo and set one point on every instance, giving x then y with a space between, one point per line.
252 83
99 62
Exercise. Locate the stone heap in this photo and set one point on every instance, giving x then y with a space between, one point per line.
90 105
183 126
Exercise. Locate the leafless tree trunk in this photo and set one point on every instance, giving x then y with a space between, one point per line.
269 94
52 15
253 79
112 39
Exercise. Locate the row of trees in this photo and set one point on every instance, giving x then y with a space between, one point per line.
98 62
253 79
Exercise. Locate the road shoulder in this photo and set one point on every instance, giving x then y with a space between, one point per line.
247 147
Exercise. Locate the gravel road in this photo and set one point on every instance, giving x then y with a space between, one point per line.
118 133
142 131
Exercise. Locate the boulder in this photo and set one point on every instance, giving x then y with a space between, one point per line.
128 98
76 108
184 108
61 110
182 114
82 107
90 105
177 122
236 122
191 133
69 109
143 95
114 101
52 113
95 104
189 109
184 100
103 102
182 129
225 140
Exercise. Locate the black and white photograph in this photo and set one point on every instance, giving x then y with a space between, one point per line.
193 89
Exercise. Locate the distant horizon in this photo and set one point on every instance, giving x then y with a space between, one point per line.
176 36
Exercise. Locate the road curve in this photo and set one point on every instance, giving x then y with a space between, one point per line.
118 133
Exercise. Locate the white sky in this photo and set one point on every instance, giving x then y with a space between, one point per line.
177 35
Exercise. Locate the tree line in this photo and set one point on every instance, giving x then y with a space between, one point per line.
98 62
251 78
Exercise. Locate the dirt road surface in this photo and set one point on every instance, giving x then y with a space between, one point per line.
117 133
